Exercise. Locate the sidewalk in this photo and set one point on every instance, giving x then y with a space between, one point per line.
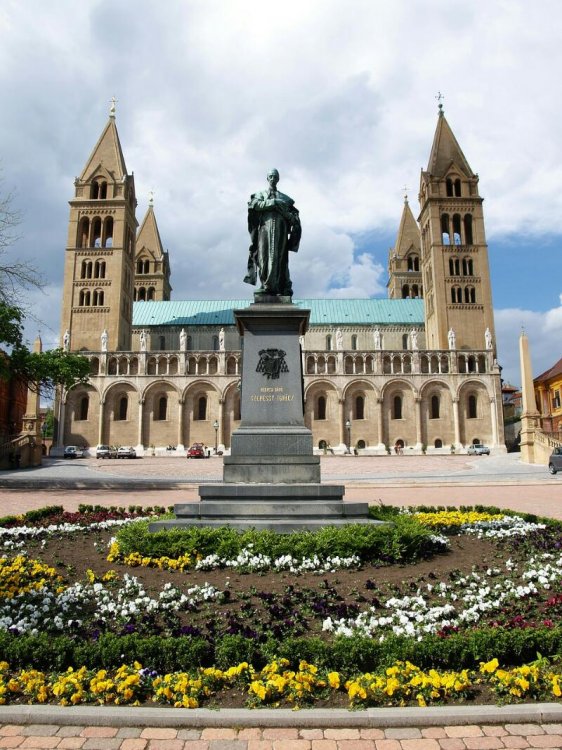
310 730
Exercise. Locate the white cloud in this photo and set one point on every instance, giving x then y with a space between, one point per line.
337 95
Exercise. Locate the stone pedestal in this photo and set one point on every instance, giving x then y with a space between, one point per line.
271 479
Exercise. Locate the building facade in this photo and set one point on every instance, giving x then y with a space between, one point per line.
417 370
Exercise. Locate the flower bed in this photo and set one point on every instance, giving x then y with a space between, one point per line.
315 618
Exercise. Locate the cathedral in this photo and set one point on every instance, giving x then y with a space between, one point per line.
416 372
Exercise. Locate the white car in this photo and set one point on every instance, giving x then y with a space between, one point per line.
478 450
126 451
74 451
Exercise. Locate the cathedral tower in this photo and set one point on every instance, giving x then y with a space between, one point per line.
152 265
456 276
99 263
404 259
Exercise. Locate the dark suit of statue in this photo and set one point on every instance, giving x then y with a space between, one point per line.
274 226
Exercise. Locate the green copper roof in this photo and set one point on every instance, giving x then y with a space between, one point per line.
322 312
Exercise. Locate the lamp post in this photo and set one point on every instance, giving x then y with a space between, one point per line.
216 426
348 426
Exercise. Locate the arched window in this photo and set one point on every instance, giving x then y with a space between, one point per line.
469 295
457 188
472 407
457 229
405 291
438 443
467 269
142 294
96 232
405 341
86 270
434 407
123 403
162 343
397 407
84 300
215 343
84 232
445 232
361 444
413 263
150 293
99 269
456 294
354 342
468 229
360 407
202 408
321 407
454 266
108 232
415 291
449 187
98 298
84 404
329 343
162 408
95 190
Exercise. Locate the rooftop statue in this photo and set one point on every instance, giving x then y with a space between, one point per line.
275 228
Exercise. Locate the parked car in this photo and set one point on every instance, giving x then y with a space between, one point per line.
555 461
126 451
478 450
105 451
73 451
197 450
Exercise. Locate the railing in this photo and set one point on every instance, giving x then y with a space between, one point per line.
366 362
11 451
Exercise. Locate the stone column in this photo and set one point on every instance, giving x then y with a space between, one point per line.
140 445
456 422
101 421
494 421
379 422
417 402
179 441
529 414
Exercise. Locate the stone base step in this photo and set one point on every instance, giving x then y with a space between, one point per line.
262 509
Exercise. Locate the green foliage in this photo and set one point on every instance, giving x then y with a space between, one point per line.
32 516
402 541
512 647
45 370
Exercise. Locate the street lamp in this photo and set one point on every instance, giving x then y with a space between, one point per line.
216 426
348 425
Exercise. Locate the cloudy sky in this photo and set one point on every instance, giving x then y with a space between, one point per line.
339 95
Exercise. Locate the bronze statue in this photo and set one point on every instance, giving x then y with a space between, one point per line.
275 228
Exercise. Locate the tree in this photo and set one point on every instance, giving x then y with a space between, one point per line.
15 275
44 370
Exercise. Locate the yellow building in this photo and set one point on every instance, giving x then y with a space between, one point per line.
418 369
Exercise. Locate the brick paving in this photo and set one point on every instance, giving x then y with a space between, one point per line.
469 737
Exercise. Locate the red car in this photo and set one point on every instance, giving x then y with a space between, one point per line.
197 450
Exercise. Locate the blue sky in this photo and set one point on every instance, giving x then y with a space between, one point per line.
339 95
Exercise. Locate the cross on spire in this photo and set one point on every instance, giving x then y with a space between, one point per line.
405 189
113 101
439 97
151 197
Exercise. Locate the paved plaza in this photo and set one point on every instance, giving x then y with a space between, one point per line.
393 480
397 480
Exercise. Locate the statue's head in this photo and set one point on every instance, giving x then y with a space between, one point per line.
273 177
